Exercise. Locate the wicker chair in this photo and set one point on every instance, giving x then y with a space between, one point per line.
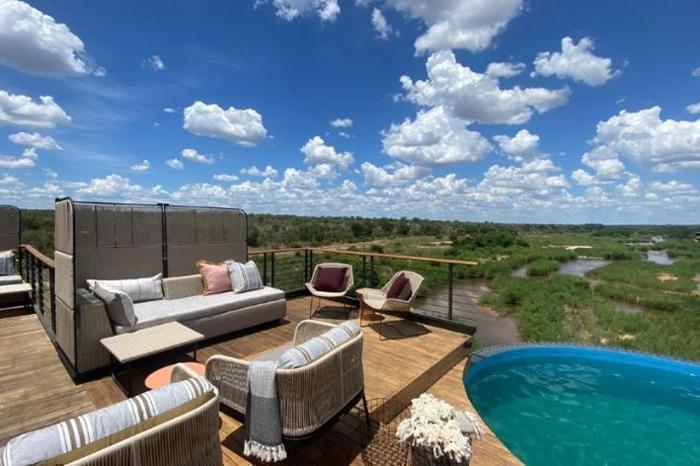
376 300
348 283
310 397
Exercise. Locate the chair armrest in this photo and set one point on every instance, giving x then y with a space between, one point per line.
182 372
393 304
307 329
230 377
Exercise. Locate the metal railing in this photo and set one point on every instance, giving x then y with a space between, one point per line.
444 294
40 272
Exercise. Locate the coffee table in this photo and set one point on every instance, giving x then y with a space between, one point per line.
127 348
162 376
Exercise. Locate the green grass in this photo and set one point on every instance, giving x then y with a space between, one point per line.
644 274
542 267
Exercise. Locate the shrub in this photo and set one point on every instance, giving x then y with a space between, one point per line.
542 267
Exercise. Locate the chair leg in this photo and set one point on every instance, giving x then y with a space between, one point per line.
364 403
311 305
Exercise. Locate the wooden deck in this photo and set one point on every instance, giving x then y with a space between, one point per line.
412 358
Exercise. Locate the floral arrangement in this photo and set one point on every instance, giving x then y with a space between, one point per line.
439 428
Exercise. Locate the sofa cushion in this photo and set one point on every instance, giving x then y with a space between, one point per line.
120 308
330 279
7 262
314 348
244 277
182 310
61 438
138 289
215 277
10 279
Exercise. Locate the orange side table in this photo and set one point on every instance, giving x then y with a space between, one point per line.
161 377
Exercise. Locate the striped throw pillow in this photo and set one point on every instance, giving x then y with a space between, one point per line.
138 289
7 263
315 347
58 439
120 307
244 277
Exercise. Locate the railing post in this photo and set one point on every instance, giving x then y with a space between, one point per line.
32 280
52 297
364 270
371 271
40 285
449 291
306 265
272 268
265 268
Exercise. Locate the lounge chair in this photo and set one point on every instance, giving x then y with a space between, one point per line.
380 300
342 290
310 397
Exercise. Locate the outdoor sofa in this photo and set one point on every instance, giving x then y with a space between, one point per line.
177 425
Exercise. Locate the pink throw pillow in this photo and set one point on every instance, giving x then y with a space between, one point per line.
215 278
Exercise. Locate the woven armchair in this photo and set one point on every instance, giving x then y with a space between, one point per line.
348 283
310 396
376 300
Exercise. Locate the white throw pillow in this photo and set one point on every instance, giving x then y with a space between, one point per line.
244 277
7 263
138 289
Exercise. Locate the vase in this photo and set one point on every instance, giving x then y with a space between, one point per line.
424 457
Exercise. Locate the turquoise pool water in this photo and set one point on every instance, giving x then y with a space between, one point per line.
586 406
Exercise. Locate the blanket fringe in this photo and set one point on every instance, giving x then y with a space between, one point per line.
264 453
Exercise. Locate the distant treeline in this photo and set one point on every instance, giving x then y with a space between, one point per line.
266 230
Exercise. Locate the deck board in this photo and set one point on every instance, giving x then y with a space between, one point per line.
411 359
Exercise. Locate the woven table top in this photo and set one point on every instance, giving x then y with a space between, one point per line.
152 340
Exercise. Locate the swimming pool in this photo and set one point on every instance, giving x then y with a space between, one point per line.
573 405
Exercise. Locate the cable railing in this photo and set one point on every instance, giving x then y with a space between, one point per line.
40 272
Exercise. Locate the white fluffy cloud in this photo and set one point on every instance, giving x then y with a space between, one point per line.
267 172
26 160
606 165
477 97
696 72
662 145
575 61
35 140
244 127
154 62
342 123
693 108
326 10
175 164
316 152
35 43
225 177
390 176
522 146
434 138
20 110
504 70
169 110
192 154
381 25
464 24
141 167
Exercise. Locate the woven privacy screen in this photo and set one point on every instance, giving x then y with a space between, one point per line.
113 241
10 227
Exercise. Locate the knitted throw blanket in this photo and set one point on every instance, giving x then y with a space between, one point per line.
263 427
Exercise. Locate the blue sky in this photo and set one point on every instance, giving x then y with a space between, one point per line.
501 110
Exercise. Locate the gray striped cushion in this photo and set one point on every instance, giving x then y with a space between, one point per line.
120 308
55 440
244 277
138 289
7 263
315 347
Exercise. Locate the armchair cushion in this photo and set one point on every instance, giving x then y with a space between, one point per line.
330 279
396 287
316 347
120 307
129 416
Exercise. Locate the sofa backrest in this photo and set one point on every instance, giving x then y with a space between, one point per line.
182 287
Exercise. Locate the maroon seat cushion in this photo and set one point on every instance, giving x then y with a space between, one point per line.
330 279
396 287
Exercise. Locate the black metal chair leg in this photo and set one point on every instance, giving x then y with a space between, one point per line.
364 403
